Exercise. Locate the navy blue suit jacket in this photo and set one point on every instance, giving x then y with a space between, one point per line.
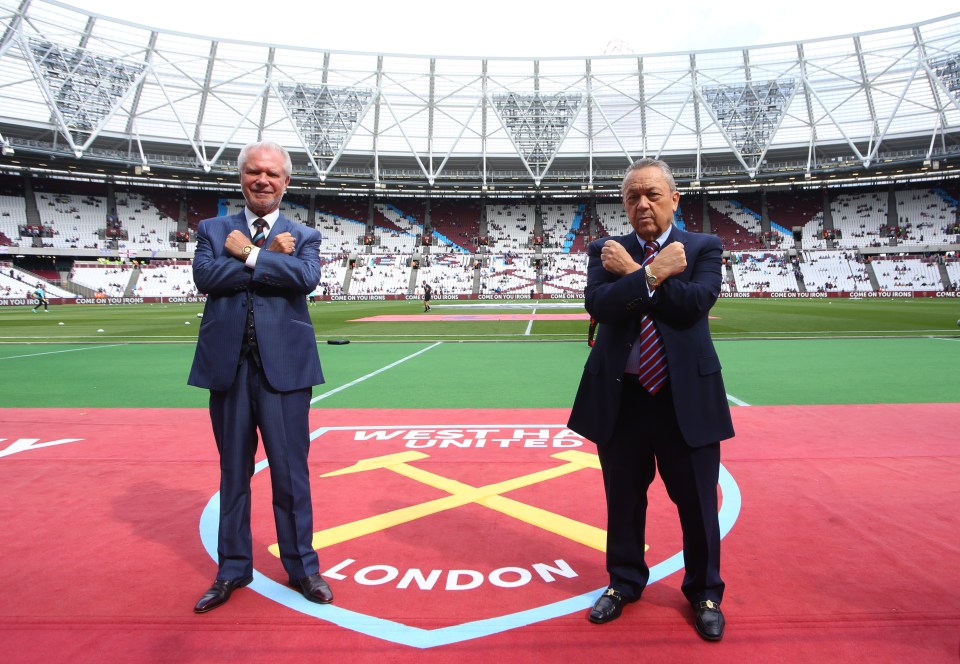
680 308
278 285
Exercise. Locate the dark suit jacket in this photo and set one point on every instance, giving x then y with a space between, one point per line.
680 308
279 286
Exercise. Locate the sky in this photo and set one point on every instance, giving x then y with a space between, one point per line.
520 28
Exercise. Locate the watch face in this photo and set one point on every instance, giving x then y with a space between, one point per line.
246 250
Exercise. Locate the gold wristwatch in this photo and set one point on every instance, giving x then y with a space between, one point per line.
246 250
652 281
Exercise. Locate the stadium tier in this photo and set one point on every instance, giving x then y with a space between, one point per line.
881 240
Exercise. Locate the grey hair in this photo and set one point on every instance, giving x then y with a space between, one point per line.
265 145
646 162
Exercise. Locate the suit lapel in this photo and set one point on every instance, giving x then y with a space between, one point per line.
632 244
282 225
676 235
239 222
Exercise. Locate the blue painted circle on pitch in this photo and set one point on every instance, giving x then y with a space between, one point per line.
417 637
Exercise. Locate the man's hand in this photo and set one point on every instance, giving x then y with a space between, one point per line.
669 261
283 243
616 259
235 243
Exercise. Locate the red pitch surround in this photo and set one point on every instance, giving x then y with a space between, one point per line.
846 524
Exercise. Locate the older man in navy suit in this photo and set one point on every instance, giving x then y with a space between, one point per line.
257 355
652 396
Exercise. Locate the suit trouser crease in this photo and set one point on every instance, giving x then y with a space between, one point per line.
648 439
282 418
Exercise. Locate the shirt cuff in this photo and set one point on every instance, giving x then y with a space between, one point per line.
251 261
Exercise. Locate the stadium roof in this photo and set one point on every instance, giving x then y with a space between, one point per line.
88 93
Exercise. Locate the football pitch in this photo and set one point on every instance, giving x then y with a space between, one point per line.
480 355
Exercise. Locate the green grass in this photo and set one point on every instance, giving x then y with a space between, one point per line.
487 374
733 319
842 371
774 352
835 317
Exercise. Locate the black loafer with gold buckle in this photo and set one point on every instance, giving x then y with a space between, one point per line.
608 607
710 622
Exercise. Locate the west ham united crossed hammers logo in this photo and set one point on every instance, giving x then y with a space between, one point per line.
458 494
463 494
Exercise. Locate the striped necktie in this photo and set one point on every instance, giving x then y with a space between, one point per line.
652 367
260 232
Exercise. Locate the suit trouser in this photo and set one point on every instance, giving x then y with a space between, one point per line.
647 438
283 421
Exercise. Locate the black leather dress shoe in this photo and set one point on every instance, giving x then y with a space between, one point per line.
710 622
314 588
608 607
219 593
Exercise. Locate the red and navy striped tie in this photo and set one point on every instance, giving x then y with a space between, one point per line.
652 369
260 226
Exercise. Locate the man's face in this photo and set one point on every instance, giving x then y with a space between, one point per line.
649 202
263 181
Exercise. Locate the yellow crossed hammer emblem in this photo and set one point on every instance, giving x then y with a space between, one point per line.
463 494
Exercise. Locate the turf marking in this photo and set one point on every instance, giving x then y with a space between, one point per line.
533 314
373 373
734 400
55 352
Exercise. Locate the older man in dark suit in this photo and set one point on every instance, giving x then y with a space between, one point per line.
652 396
257 355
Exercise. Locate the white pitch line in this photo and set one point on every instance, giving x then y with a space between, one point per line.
734 400
530 322
372 374
55 352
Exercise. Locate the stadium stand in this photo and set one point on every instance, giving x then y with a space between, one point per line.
333 273
380 274
952 266
764 271
834 272
520 253
13 216
558 224
927 217
613 218
16 284
75 220
509 274
860 219
110 280
148 228
458 222
510 227
165 280
340 233
565 274
397 230
448 274
903 273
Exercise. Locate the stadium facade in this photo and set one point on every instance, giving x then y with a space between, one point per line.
116 138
